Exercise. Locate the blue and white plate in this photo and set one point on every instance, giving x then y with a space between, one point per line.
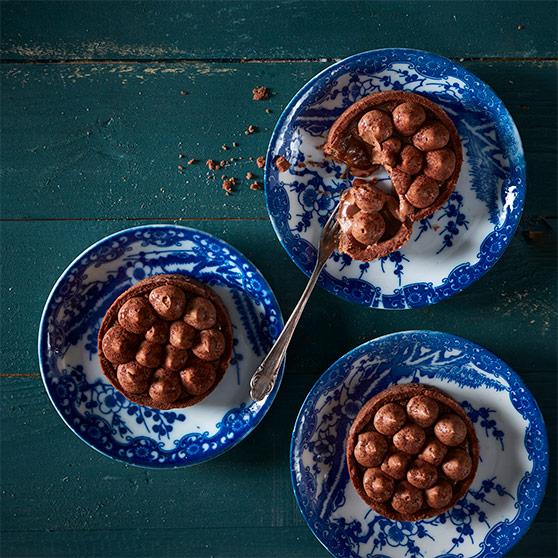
449 250
510 482
100 415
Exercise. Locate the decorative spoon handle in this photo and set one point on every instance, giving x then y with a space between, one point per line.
263 380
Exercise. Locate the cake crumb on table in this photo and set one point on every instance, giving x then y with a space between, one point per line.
250 130
260 93
255 186
250 175
228 184
260 162
192 161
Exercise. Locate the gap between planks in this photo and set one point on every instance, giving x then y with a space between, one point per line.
33 219
20 375
232 60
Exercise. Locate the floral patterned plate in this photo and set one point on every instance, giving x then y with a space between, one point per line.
100 415
449 250
510 482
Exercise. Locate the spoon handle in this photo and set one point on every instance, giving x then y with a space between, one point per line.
264 378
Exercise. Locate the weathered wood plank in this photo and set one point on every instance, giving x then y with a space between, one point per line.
107 509
252 29
102 140
511 311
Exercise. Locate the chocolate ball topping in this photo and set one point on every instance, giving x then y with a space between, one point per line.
395 465
411 160
158 332
422 192
450 430
370 449
434 452
134 377
439 495
119 345
378 485
166 388
368 228
440 164
210 346
199 378
431 136
182 335
375 126
200 313
368 199
150 354
457 465
175 359
136 315
168 301
422 474
408 118
407 499
409 439
422 410
389 419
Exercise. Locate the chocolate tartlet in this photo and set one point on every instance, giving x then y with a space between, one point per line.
412 452
417 144
166 342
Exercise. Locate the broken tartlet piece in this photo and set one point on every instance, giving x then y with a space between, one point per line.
416 143
412 452
372 223
166 342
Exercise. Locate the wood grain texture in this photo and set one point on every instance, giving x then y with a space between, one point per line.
116 130
280 29
91 147
509 302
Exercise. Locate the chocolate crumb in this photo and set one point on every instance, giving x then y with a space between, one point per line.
260 93
184 92
222 163
260 162
192 161
255 186
268 110
234 144
250 176
228 184
224 147
281 164
250 130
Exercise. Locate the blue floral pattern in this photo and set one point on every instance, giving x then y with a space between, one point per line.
490 191
98 413
510 482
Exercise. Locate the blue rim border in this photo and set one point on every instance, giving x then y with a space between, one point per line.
369 345
325 280
42 342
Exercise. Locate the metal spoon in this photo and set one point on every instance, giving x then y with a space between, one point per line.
263 380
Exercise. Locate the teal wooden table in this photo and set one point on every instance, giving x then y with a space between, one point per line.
98 102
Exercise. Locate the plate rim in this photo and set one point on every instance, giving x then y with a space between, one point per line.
42 347
283 118
433 333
